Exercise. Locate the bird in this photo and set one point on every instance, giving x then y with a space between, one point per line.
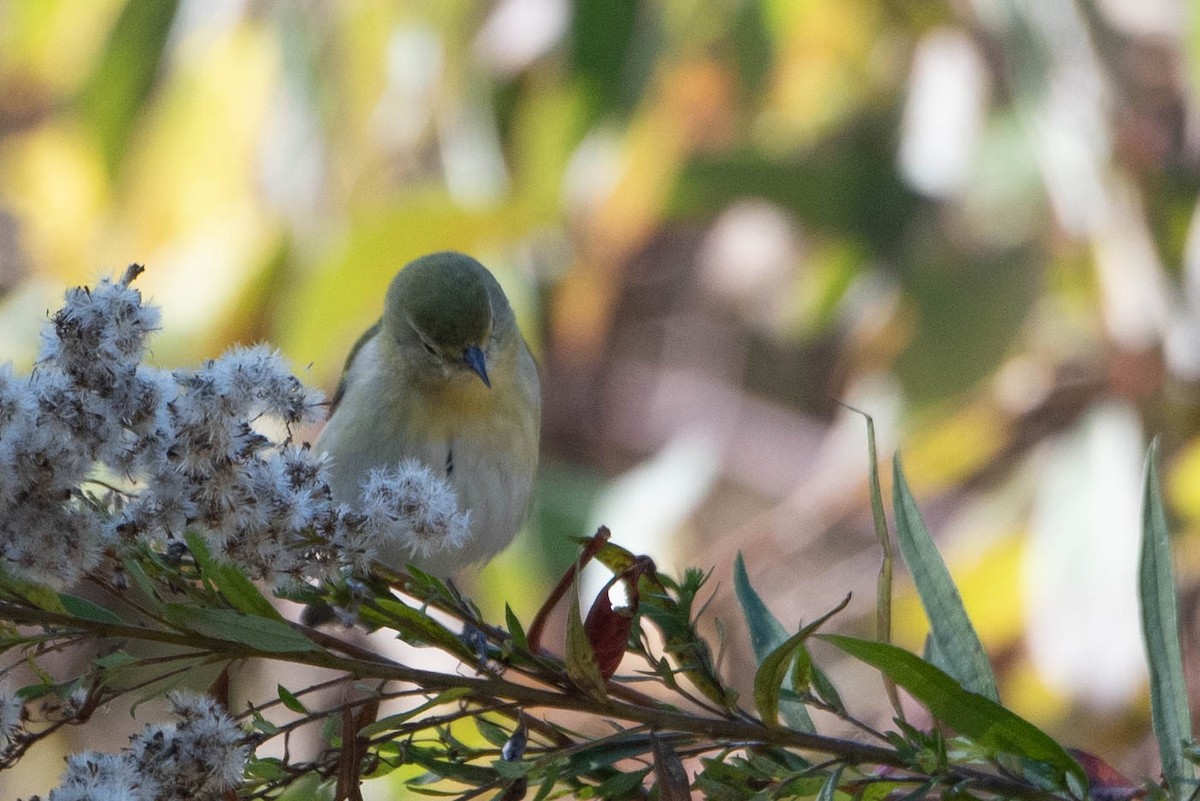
444 377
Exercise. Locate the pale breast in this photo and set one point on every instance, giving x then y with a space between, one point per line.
487 449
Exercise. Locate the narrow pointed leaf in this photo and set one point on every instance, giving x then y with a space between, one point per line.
767 634
883 584
673 784
395 721
290 700
230 625
1160 627
974 716
414 626
955 640
769 679
829 789
86 610
515 629
580 659
230 581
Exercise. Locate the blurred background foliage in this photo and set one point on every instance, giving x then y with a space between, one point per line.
975 220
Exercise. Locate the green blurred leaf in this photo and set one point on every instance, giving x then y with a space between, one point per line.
824 688
263 634
766 635
601 38
847 184
114 95
199 676
1160 626
972 715
950 627
968 308
772 671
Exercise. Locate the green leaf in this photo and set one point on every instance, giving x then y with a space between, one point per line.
769 679
39 595
230 625
149 591
825 689
230 581
515 629
392 722
883 584
265 768
86 610
621 785
491 732
829 788
511 770
972 715
414 626
580 658
1160 625
954 637
605 753
767 634
259 723
114 660
457 771
290 700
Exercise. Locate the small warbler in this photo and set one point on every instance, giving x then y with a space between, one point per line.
445 378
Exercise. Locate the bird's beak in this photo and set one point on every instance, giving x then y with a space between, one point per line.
473 357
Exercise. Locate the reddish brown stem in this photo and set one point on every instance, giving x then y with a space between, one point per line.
534 637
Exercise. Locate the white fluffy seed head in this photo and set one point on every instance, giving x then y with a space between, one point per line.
91 776
410 509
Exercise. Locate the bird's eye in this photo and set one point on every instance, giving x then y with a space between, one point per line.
430 349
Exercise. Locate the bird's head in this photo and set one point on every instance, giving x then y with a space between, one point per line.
446 313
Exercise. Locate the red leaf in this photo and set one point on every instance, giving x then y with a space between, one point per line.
1106 782
607 632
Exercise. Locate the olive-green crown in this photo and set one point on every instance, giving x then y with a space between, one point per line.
448 297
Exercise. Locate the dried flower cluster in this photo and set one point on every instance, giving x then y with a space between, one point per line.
103 457
181 451
412 504
197 758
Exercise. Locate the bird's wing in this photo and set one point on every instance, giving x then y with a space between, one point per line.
341 387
